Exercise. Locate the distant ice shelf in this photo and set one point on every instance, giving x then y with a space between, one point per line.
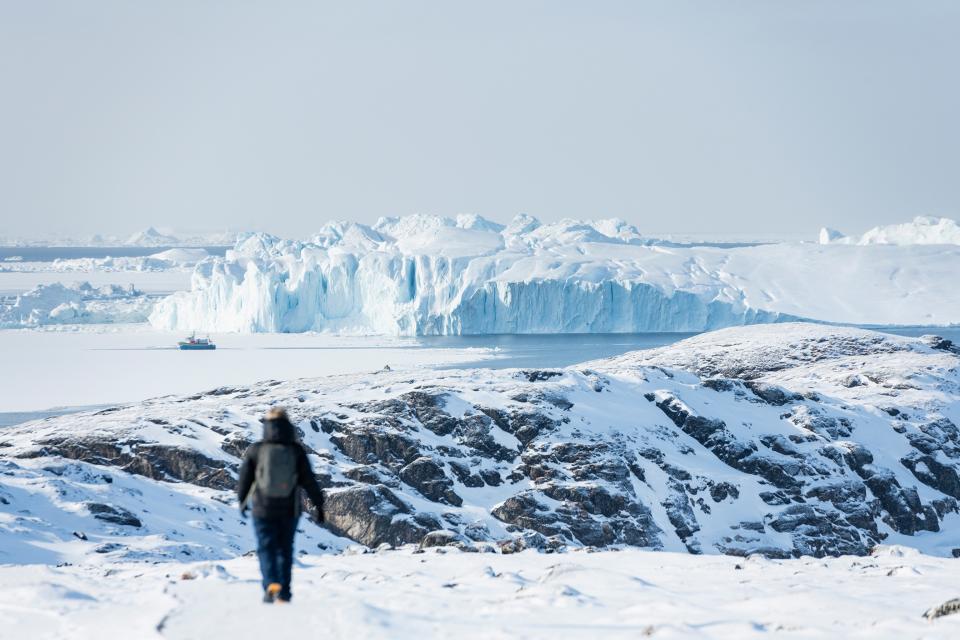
426 275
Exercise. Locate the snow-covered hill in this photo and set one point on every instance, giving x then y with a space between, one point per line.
430 275
784 440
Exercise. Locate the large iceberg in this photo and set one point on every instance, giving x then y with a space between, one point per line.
427 275
77 303
921 230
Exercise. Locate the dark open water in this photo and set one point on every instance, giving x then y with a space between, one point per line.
562 350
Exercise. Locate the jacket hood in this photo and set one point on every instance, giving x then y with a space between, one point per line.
279 430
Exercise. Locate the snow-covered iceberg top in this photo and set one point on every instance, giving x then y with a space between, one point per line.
434 275
922 230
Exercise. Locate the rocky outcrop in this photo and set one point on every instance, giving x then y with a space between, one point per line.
427 477
113 515
371 515
150 459
770 452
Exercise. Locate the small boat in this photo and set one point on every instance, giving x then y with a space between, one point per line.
193 343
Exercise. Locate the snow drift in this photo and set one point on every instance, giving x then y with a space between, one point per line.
429 275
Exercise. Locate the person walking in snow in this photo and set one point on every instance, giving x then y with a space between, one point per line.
271 475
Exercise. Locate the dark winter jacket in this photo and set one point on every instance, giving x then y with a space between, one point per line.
279 431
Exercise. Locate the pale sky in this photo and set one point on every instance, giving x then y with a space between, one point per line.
713 117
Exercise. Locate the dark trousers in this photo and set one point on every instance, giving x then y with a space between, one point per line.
275 551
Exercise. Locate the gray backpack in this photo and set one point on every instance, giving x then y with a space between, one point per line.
276 475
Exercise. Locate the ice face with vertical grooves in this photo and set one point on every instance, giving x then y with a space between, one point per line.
425 275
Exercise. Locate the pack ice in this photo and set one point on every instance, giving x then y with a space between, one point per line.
430 275
784 440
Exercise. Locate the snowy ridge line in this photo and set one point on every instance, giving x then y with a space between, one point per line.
783 440
423 275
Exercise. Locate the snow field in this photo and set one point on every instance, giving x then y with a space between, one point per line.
402 594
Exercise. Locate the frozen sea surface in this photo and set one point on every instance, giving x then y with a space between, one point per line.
101 365
156 283
49 254
61 371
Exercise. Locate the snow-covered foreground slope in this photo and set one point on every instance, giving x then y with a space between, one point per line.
784 440
399 595
426 275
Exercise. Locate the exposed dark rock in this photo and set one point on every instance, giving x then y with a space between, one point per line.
428 520
524 511
933 473
540 375
465 475
427 408
235 445
818 532
371 515
721 384
491 477
775 497
948 608
722 490
531 540
150 459
108 547
772 394
581 516
943 506
446 538
681 516
113 515
367 444
569 475
427 477
477 531
713 434
905 513
475 432
370 474
941 344
523 425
